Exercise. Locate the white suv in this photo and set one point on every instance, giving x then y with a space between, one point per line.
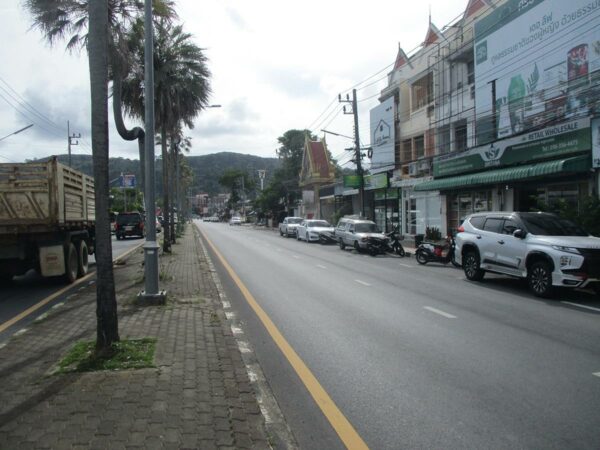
356 233
546 250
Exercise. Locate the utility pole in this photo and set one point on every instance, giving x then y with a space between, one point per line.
358 156
261 175
70 138
151 292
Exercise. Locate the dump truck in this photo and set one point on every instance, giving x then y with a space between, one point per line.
47 220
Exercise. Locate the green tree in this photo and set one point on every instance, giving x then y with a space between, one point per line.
284 184
182 90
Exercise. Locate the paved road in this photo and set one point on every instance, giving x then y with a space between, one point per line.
29 289
418 357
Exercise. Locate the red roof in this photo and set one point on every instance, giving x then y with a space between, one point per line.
318 159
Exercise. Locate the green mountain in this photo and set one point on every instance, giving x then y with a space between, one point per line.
207 169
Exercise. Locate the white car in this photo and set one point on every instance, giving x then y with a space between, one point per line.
235 220
311 229
288 227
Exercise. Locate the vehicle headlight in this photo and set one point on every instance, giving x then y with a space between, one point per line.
561 248
565 261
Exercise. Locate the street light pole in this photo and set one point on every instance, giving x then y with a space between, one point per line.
16 132
151 293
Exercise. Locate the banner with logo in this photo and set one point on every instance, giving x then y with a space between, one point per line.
563 139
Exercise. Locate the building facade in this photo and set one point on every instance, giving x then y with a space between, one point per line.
499 111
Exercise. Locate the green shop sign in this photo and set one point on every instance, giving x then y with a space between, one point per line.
352 181
377 181
563 139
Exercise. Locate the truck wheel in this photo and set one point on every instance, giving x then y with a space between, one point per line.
342 245
82 259
71 263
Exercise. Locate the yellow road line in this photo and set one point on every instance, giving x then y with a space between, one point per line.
338 421
9 323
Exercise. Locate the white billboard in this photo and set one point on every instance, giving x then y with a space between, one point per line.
382 136
536 62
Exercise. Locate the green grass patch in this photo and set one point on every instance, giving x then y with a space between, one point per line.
128 354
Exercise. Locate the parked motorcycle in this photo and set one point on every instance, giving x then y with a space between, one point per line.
391 244
437 252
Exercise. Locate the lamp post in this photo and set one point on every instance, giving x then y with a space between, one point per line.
151 294
16 132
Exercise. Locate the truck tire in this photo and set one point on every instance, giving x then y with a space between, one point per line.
82 259
71 263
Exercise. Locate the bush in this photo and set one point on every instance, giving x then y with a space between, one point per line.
433 234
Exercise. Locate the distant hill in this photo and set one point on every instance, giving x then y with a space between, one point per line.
207 169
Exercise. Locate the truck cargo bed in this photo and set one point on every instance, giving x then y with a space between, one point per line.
39 196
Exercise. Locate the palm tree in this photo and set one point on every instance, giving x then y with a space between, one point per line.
60 19
182 89
107 330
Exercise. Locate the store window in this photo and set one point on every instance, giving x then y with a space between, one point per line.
462 204
406 150
444 140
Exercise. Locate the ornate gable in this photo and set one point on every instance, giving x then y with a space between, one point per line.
316 166
401 58
433 35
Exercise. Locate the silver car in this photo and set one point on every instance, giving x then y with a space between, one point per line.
311 229
356 233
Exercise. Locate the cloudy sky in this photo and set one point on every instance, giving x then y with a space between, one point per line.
276 65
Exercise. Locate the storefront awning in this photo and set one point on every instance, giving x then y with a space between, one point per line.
566 165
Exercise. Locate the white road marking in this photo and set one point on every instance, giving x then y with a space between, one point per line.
320 266
597 374
226 304
441 313
406 265
295 256
229 315
582 306
364 283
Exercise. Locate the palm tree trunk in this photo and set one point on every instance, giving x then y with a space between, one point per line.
134 133
172 192
106 302
165 181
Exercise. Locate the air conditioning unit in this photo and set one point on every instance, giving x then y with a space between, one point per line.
412 169
424 165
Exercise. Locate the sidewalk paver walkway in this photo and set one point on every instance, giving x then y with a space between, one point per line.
197 396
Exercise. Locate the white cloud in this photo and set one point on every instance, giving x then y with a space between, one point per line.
275 66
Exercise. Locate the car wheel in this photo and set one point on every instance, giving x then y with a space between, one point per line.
342 245
471 267
421 257
280 232
539 279
297 237
356 246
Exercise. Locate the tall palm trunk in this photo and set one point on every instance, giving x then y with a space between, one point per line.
172 191
106 302
165 182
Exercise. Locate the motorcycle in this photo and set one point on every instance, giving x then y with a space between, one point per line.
391 244
437 252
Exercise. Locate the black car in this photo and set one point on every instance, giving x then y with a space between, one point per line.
129 224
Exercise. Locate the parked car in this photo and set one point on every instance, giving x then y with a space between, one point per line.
311 229
235 220
129 224
356 233
547 251
288 227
